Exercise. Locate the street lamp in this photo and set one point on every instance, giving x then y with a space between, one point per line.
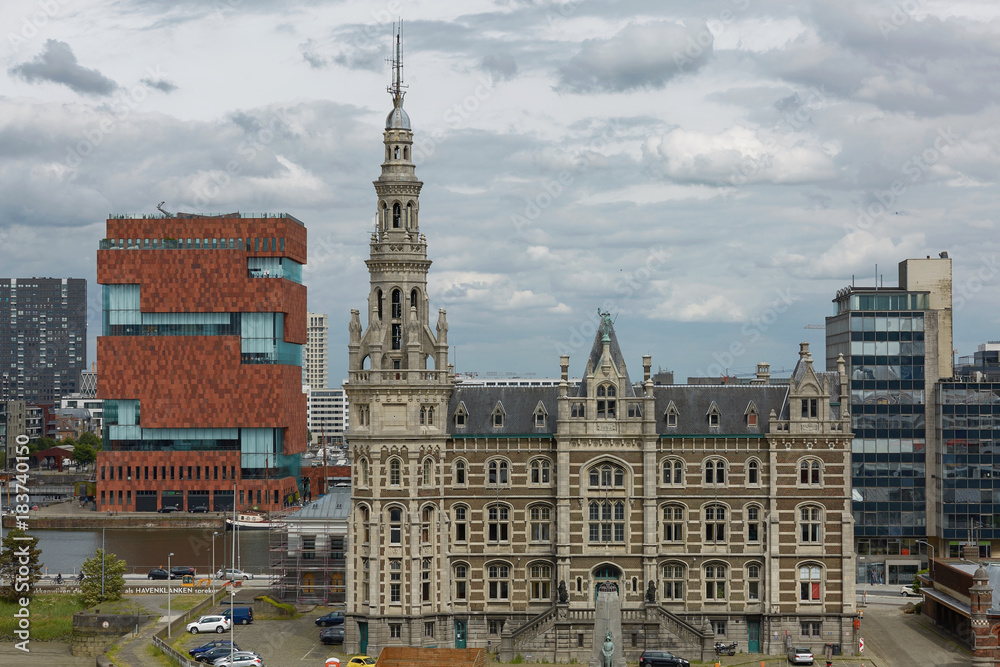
931 547
232 621
169 576
212 573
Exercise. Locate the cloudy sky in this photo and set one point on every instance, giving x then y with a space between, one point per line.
711 172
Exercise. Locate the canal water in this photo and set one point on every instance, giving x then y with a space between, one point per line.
142 549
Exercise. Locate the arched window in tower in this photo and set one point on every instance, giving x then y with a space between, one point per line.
606 401
413 298
409 215
378 298
397 304
406 152
395 153
397 211
385 216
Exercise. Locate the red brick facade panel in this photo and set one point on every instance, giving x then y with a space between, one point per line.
204 281
130 472
199 382
222 227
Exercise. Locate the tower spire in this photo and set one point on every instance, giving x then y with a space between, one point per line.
396 89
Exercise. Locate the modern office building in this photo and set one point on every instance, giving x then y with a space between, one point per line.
315 366
499 514
43 337
328 415
201 362
898 341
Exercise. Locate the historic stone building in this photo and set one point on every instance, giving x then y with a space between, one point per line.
490 516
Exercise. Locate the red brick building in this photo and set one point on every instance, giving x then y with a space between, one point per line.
201 362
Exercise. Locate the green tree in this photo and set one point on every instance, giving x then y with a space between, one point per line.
99 586
41 443
20 550
84 453
88 438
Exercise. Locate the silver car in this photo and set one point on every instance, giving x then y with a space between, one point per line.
799 655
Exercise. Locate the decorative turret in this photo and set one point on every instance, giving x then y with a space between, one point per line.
398 335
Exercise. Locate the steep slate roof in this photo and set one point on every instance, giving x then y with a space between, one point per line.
693 403
335 505
519 405
616 357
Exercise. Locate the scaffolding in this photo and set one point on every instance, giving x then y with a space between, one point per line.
307 560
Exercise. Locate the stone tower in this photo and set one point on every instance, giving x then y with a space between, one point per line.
399 385
980 601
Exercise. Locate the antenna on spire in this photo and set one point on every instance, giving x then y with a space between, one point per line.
396 61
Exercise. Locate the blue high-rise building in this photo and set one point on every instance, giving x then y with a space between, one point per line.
898 343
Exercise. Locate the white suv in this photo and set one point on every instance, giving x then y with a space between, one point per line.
209 624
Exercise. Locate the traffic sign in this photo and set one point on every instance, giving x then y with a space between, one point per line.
861 644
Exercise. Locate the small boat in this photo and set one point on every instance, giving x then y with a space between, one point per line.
250 521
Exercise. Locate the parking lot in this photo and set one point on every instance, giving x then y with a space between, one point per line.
279 643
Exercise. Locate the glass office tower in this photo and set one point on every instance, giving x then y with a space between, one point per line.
897 341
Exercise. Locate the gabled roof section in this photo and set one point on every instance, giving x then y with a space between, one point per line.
607 328
693 403
518 403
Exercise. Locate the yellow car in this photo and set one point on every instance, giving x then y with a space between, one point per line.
360 661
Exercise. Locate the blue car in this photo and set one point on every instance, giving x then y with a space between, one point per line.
210 645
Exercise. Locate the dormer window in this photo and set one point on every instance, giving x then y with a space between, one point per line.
460 414
540 415
810 408
751 415
670 416
714 416
498 416
606 404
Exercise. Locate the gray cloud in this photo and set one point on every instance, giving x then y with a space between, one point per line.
57 63
160 84
640 56
502 67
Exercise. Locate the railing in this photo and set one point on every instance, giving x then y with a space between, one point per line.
680 627
398 375
529 630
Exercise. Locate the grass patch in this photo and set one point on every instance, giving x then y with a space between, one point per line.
113 652
183 602
158 657
282 610
51 617
123 607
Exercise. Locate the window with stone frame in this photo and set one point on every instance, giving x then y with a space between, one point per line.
753 472
395 630
427 473
498 416
810 583
395 526
363 469
429 629
715 582
540 581
810 524
540 471
425 580
752 524
498 581
498 523
715 472
606 402
540 416
810 472
607 521
462 582
395 472
366 580
540 520
498 472
365 525
460 473
673 582
811 628
673 523
395 580
426 525
715 523
673 472
461 523
753 582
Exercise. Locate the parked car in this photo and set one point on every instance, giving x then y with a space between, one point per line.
661 659
233 573
333 635
167 509
907 591
241 659
210 656
214 623
178 571
199 509
360 661
800 655
158 573
333 618
208 646
241 615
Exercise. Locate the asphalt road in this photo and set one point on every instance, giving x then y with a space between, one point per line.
896 639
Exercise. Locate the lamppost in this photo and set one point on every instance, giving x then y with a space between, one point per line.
232 621
931 547
212 573
169 581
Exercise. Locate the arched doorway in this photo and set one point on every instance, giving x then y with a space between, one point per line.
607 578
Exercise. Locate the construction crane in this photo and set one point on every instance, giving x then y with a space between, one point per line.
814 326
